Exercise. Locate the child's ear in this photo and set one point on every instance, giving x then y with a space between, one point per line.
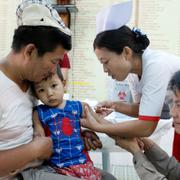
64 84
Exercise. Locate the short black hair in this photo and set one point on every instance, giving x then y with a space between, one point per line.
45 38
115 40
174 83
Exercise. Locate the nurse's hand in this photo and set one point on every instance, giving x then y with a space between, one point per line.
91 140
91 120
104 108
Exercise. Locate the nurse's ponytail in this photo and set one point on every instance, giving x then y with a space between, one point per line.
115 40
141 41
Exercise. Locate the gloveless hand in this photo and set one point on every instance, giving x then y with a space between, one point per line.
42 147
91 140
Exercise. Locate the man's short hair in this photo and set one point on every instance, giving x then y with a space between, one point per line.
45 38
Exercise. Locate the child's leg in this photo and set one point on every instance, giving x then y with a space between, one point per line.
84 171
45 173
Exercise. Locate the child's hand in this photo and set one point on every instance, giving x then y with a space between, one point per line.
91 140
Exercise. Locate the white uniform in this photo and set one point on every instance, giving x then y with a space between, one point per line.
157 70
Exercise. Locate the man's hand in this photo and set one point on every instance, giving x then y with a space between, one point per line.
129 144
42 147
148 143
91 140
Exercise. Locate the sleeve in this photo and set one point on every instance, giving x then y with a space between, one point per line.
154 85
145 169
166 165
65 62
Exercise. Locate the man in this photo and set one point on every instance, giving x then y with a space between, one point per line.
154 163
38 43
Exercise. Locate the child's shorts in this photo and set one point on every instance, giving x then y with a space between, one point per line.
84 171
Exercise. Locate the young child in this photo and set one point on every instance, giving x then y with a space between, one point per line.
61 121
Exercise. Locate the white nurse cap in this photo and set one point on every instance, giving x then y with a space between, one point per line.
114 16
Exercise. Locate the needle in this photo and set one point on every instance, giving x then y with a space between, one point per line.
107 109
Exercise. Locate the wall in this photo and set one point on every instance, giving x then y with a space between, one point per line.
159 19
7 24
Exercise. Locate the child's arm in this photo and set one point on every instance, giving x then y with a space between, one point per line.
38 129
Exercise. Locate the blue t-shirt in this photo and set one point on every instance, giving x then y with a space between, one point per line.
64 128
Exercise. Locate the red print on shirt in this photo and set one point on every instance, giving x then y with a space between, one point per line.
67 128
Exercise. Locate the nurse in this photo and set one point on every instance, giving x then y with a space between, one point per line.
122 51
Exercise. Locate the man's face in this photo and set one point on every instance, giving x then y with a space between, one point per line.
41 67
175 111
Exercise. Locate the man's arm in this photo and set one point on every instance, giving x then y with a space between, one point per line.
166 165
145 168
16 158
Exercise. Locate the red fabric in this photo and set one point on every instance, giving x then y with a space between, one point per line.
176 146
47 131
149 118
67 128
65 63
84 171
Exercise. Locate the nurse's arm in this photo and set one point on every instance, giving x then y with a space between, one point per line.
130 109
133 128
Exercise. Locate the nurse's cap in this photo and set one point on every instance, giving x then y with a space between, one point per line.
113 17
39 13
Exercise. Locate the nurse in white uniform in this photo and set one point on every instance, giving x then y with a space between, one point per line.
122 51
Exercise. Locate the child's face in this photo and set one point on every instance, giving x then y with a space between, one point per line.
50 91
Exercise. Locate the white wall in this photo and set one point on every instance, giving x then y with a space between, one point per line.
7 24
159 19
